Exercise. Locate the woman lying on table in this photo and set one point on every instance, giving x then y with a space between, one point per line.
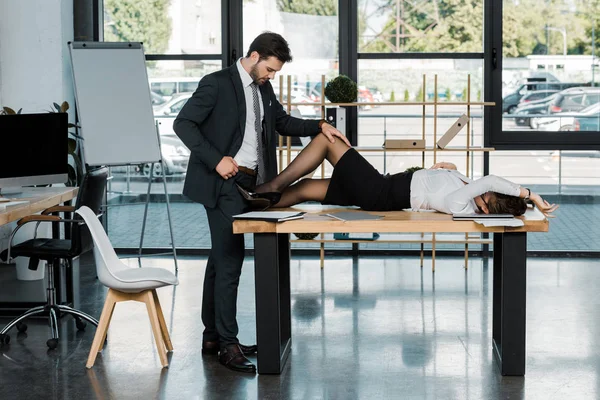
355 182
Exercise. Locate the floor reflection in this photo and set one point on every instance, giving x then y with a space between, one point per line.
371 327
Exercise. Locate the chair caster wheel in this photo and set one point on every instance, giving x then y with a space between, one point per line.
21 326
80 324
4 339
52 343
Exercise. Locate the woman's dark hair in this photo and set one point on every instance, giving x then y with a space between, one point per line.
505 204
270 44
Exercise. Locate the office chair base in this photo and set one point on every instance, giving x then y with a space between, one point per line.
53 312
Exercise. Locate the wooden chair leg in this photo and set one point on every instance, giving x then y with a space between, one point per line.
322 252
107 311
163 324
152 313
112 310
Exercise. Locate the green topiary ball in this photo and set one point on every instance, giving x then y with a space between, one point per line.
306 236
341 90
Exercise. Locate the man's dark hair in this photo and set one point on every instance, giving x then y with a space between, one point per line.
270 44
505 204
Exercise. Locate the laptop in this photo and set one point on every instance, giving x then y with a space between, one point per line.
466 217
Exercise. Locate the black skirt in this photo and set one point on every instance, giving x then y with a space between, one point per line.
355 182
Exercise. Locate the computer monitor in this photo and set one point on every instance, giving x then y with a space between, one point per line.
33 150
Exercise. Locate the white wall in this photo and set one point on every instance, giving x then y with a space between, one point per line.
35 68
34 58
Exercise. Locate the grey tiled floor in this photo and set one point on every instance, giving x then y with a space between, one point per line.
575 228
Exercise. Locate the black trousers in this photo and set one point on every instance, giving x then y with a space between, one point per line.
222 276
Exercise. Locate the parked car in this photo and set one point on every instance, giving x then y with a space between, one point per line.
511 101
173 105
175 156
170 86
377 95
305 89
157 100
574 99
570 121
536 95
589 120
532 108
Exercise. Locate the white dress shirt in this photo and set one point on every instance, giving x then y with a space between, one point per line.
444 190
246 155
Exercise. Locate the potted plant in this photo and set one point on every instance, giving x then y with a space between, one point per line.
341 89
76 170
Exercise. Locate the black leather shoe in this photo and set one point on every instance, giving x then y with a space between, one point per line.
232 357
212 347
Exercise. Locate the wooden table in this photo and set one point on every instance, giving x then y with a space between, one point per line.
39 199
272 276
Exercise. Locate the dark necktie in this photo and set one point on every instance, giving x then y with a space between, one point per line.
261 174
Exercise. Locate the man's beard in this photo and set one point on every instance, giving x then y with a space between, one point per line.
254 74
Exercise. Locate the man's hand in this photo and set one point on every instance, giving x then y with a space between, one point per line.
543 205
444 165
331 132
227 167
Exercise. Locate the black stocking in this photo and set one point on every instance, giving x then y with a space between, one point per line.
319 149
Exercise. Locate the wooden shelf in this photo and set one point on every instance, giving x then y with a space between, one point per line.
433 238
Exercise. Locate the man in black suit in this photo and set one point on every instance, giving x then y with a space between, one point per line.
230 125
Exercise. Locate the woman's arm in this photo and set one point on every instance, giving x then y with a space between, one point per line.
458 200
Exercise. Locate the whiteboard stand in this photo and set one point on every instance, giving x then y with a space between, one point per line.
167 202
164 179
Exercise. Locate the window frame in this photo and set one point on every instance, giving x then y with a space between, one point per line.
494 134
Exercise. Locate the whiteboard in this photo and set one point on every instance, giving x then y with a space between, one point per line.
113 103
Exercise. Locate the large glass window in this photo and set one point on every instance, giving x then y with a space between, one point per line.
182 42
403 26
550 67
311 31
412 80
165 26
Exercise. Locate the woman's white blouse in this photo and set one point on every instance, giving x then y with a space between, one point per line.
444 190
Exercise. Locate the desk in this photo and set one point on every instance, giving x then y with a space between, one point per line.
39 199
272 276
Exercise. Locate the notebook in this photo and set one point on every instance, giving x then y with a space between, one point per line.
271 216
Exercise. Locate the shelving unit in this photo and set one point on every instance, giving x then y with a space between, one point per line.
467 149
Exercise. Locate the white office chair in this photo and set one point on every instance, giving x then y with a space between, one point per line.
126 283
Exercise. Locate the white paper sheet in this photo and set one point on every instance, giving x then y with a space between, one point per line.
500 222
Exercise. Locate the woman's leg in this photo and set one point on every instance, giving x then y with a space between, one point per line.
305 190
319 149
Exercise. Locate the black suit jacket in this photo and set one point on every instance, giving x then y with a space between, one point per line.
212 124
